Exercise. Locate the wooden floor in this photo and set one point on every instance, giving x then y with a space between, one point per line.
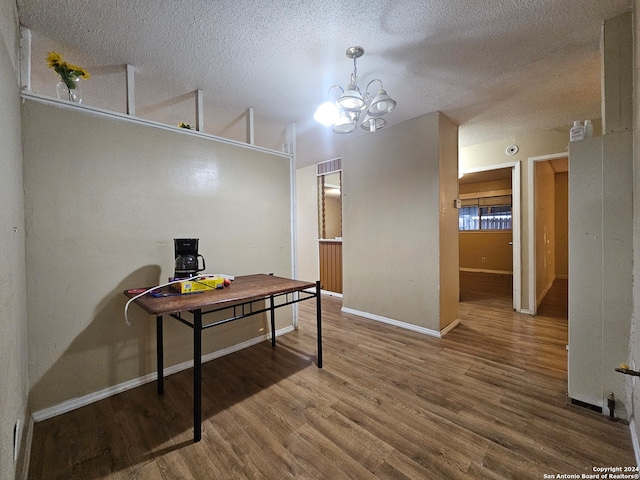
487 401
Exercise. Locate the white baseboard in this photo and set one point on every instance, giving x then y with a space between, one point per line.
397 323
78 402
331 294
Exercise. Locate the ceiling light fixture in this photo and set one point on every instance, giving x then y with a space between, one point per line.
344 114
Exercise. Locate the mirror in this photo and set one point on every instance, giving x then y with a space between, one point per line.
330 205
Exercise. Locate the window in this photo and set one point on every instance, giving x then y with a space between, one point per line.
485 213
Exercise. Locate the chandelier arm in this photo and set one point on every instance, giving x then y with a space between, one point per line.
332 87
366 91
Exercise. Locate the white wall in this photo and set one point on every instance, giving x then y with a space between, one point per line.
599 268
13 298
104 200
601 235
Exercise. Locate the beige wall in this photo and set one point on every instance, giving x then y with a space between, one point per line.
545 234
104 201
493 154
493 246
307 224
392 207
13 299
470 190
449 247
562 224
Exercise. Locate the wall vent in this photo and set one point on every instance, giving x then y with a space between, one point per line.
329 166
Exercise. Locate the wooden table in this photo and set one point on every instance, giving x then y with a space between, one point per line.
240 299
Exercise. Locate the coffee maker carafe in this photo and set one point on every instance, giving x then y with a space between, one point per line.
186 253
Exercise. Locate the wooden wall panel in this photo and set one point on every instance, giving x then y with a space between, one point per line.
331 266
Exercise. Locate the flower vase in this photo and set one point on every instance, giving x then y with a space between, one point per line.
71 94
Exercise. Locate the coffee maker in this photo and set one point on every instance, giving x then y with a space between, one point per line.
186 253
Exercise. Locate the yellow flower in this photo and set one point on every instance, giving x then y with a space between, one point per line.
53 59
69 73
79 71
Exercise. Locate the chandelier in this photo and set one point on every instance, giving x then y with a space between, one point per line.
344 114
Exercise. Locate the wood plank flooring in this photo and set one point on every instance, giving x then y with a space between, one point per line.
486 401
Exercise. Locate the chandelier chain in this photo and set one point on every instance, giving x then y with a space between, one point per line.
354 80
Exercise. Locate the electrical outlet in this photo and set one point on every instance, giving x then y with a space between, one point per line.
484 259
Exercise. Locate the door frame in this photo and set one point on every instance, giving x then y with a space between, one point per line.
531 236
515 225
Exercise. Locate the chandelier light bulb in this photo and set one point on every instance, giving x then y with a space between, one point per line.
327 114
345 124
352 100
381 104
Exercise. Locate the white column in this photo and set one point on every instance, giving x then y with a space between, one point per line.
25 59
250 136
131 98
199 111
290 139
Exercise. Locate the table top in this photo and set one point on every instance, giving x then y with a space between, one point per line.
242 289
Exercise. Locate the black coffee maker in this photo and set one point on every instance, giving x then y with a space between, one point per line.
186 253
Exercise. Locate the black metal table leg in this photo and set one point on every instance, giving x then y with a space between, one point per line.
160 355
273 322
319 323
197 375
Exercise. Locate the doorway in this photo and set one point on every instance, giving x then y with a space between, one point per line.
495 191
548 226
329 176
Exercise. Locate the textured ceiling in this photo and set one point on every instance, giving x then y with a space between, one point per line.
498 68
